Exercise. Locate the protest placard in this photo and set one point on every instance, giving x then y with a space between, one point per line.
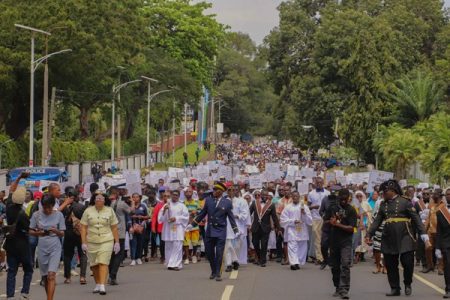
303 188
255 182
377 177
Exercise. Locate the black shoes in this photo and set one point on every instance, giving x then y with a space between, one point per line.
297 266
112 281
447 295
228 269
293 268
408 290
263 265
212 276
344 296
323 266
393 293
235 265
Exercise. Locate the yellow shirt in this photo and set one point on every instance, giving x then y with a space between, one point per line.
99 224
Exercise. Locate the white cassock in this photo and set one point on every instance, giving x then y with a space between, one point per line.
235 247
173 233
296 235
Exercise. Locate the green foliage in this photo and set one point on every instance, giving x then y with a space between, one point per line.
242 86
427 142
344 153
186 32
330 60
416 98
78 151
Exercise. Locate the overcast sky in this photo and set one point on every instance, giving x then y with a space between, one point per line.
255 17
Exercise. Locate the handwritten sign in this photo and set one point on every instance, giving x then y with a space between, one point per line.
255 182
378 177
303 188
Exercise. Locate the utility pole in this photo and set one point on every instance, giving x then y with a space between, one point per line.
119 153
51 117
44 156
173 135
185 127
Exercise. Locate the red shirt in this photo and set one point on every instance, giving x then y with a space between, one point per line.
157 227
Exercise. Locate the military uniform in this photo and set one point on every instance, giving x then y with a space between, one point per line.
443 243
398 237
217 210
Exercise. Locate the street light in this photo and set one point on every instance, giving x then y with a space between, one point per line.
149 100
45 135
116 90
1 148
32 62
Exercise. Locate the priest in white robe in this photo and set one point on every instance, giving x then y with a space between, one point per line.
175 218
295 219
235 246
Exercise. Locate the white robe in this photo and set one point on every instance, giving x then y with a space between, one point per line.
173 233
296 235
236 248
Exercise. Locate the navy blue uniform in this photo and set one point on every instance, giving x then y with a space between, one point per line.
217 210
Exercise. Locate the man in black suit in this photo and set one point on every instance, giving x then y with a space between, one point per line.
443 240
264 212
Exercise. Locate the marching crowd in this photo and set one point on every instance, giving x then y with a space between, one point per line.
229 223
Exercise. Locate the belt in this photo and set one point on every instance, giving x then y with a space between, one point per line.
397 220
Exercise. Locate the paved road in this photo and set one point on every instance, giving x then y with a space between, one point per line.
153 281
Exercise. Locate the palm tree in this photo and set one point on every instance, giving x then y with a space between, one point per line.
416 97
399 148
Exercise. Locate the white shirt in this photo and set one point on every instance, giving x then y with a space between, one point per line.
315 198
292 231
174 231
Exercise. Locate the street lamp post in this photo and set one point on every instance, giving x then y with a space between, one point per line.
1 149
33 32
116 90
149 99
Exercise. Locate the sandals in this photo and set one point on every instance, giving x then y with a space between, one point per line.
67 281
83 281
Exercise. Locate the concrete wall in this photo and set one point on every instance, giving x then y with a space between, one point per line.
3 179
74 172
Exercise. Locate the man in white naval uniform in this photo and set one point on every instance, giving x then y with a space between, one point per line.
175 218
295 218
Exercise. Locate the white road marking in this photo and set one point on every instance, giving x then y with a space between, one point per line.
227 292
234 274
429 284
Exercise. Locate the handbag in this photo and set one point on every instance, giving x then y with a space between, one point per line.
138 228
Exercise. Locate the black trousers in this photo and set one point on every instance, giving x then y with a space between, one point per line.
260 241
391 262
116 260
71 241
280 242
154 245
446 256
325 247
340 261
420 252
146 241
214 248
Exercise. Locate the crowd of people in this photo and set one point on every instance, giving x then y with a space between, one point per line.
228 222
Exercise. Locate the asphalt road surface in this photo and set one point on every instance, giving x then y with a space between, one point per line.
153 281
